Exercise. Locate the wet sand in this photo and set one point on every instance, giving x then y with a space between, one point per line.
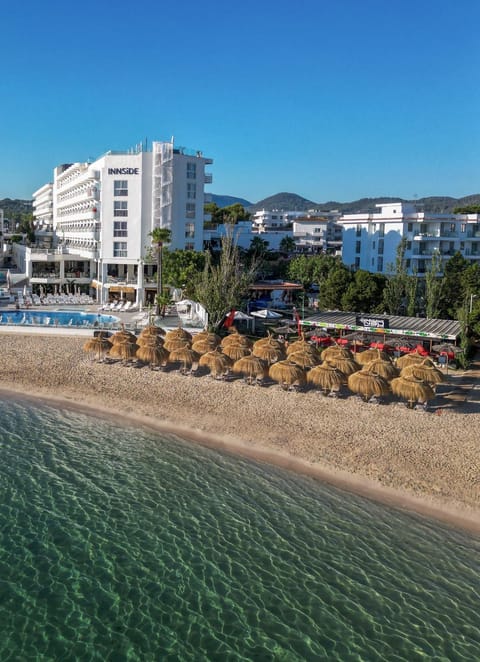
428 462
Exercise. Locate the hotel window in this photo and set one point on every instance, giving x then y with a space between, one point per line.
381 229
358 245
189 246
359 231
120 187
191 170
189 230
190 210
191 191
357 263
119 249
120 229
379 263
120 208
409 227
380 246
463 227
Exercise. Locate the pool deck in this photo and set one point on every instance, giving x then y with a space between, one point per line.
133 321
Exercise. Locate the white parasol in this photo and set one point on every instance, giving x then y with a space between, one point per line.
266 314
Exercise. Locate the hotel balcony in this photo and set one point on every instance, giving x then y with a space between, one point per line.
208 178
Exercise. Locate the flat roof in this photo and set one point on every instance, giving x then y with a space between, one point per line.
275 285
393 325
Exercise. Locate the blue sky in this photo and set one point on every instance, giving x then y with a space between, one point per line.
333 100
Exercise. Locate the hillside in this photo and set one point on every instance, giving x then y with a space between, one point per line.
10 206
294 202
227 200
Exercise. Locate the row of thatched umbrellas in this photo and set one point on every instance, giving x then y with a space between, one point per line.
370 373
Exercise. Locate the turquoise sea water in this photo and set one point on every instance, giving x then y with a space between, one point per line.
120 544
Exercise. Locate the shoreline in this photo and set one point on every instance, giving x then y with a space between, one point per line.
349 450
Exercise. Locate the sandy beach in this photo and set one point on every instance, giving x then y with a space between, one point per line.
428 462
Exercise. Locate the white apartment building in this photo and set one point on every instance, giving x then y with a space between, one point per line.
267 221
102 212
318 233
370 240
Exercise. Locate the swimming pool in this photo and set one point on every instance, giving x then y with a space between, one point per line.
56 318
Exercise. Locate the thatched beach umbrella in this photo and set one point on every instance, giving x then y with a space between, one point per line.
412 390
301 346
326 377
206 344
335 352
251 367
148 339
269 340
200 335
269 351
153 354
186 356
178 333
216 361
409 359
152 330
235 352
385 369
236 339
123 336
97 346
173 344
304 359
367 384
370 355
287 373
126 350
345 365
426 371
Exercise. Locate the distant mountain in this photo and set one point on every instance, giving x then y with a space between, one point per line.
227 200
294 202
287 201
10 206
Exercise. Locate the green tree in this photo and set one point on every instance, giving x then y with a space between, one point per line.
258 248
181 267
160 236
287 245
467 209
453 294
221 287
394 294
334 287
433 286
364 293
312 269
235 213
215 212
301 270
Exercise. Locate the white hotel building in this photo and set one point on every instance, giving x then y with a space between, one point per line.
370 240
93 221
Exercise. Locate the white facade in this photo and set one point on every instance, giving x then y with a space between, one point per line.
318 233
43 207
370 240
266 221
103 212
243 233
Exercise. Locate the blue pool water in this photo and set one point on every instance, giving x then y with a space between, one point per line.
55 317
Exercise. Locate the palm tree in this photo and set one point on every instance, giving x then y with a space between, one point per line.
159 237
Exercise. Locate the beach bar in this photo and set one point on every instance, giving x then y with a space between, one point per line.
387 326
